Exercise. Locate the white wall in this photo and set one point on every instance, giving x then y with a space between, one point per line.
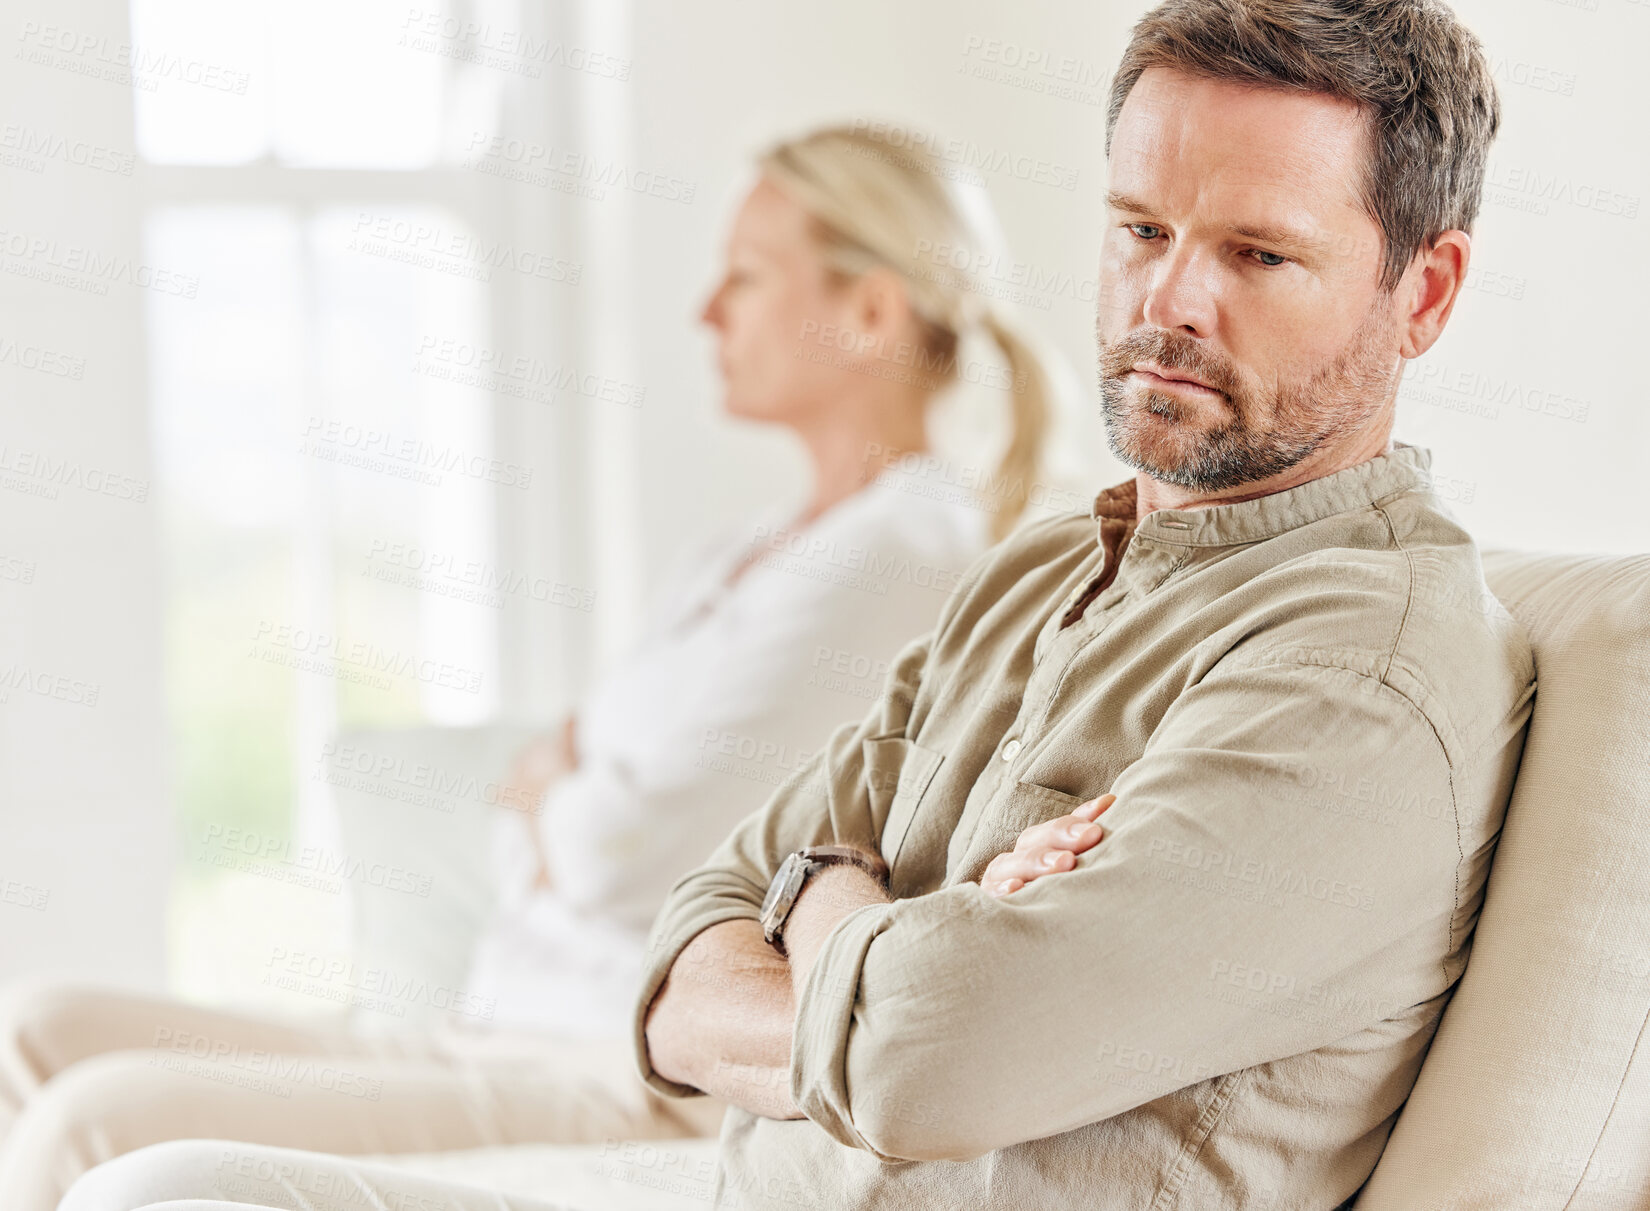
82 806
1549 326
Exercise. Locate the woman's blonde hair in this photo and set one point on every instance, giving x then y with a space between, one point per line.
877 204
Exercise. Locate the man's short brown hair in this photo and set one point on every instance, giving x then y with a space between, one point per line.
1418 72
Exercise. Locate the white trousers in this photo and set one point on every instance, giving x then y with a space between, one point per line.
204 1175
89 1075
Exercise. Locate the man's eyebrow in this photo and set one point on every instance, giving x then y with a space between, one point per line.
1284 237
1264 233
1122 201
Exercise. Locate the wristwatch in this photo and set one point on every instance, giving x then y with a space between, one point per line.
793 872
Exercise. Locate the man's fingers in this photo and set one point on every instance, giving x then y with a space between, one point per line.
1073 832
998 869
1024 866
1047 848
1068 832
1006 873
1091 810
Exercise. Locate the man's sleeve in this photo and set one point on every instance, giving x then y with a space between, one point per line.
825 801
1228 919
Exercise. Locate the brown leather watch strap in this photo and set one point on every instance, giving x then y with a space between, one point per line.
838 855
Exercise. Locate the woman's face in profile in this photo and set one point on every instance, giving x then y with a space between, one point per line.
771 311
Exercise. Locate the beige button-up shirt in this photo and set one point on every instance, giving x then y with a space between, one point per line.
1311 710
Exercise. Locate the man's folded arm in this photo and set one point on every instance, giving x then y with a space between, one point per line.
1230 918
825 801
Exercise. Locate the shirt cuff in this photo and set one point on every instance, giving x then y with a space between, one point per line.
824 1017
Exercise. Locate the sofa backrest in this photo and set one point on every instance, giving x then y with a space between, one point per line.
1536 1091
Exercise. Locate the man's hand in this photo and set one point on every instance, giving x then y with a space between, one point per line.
1046 849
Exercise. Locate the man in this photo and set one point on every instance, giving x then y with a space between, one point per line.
1153 867
1269 647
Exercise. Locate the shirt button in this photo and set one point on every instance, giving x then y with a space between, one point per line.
1011 750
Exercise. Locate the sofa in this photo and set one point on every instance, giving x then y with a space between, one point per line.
1535 1093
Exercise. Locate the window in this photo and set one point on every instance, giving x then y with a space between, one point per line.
314 452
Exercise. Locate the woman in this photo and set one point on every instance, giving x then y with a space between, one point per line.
782 628
829 324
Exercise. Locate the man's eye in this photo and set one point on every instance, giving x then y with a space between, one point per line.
1151 230
1276 258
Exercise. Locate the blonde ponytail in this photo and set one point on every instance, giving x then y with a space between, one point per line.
876 202
1029 395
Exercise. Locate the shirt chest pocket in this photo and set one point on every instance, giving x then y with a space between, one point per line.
898 773
1019 806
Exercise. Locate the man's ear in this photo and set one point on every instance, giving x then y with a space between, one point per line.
1431 285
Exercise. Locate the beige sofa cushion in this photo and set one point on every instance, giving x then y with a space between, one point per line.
1536 1092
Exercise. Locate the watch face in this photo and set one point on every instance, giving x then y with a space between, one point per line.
782 890
775 889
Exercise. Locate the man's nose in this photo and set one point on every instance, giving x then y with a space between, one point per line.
1181 294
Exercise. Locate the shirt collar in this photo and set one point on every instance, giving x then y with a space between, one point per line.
1402 469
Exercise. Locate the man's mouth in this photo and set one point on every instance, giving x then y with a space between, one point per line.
1160 379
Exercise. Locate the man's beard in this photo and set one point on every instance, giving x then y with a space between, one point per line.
1256 443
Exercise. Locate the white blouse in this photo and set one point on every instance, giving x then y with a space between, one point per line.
732 689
